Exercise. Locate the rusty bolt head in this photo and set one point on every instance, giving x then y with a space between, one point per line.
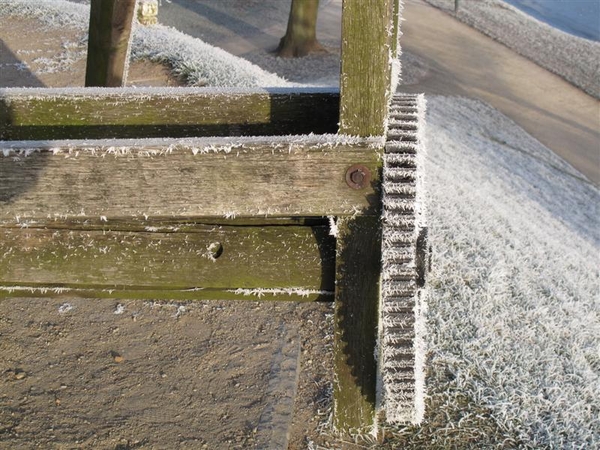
358 176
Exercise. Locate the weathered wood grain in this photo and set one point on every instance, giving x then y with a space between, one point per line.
366 66
192 178
168 225
358 269
396 14
192 261
42 114
108 42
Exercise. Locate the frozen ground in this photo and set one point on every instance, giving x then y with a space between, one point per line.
513 298
514 306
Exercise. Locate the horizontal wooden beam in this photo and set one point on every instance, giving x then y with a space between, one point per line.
171 225
155 293
217 177
95 113
204 262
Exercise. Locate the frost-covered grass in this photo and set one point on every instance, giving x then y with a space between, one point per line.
513 317
197 62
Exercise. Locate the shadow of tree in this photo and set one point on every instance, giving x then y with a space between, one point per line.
217 14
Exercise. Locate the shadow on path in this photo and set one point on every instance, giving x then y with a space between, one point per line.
15 73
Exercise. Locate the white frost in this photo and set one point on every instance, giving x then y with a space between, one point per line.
65 308
260 292
513 300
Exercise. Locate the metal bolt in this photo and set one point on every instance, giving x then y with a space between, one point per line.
358 176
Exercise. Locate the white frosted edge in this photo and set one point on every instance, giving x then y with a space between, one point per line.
421 185
261 292
420 345
8 148
396 76
420 356
34 289
134 25
161 91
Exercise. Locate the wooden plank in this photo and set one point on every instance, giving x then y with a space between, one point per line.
108 42
216 177
170 225
85 113
155 293
206 261
356 317
366 66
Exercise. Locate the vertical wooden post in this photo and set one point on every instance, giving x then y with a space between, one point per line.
356 319
367 33
108 44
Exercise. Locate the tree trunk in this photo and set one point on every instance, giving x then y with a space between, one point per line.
301 36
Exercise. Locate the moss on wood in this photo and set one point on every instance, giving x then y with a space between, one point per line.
356 317
212 261
176 112
366 66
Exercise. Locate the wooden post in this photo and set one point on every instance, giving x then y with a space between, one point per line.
356 312
108 44
367 33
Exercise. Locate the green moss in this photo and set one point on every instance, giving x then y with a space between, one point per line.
218 258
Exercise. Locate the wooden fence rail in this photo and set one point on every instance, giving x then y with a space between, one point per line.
165 112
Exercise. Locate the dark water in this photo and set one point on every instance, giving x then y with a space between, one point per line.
578 17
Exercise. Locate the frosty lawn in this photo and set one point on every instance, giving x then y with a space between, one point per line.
513 298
